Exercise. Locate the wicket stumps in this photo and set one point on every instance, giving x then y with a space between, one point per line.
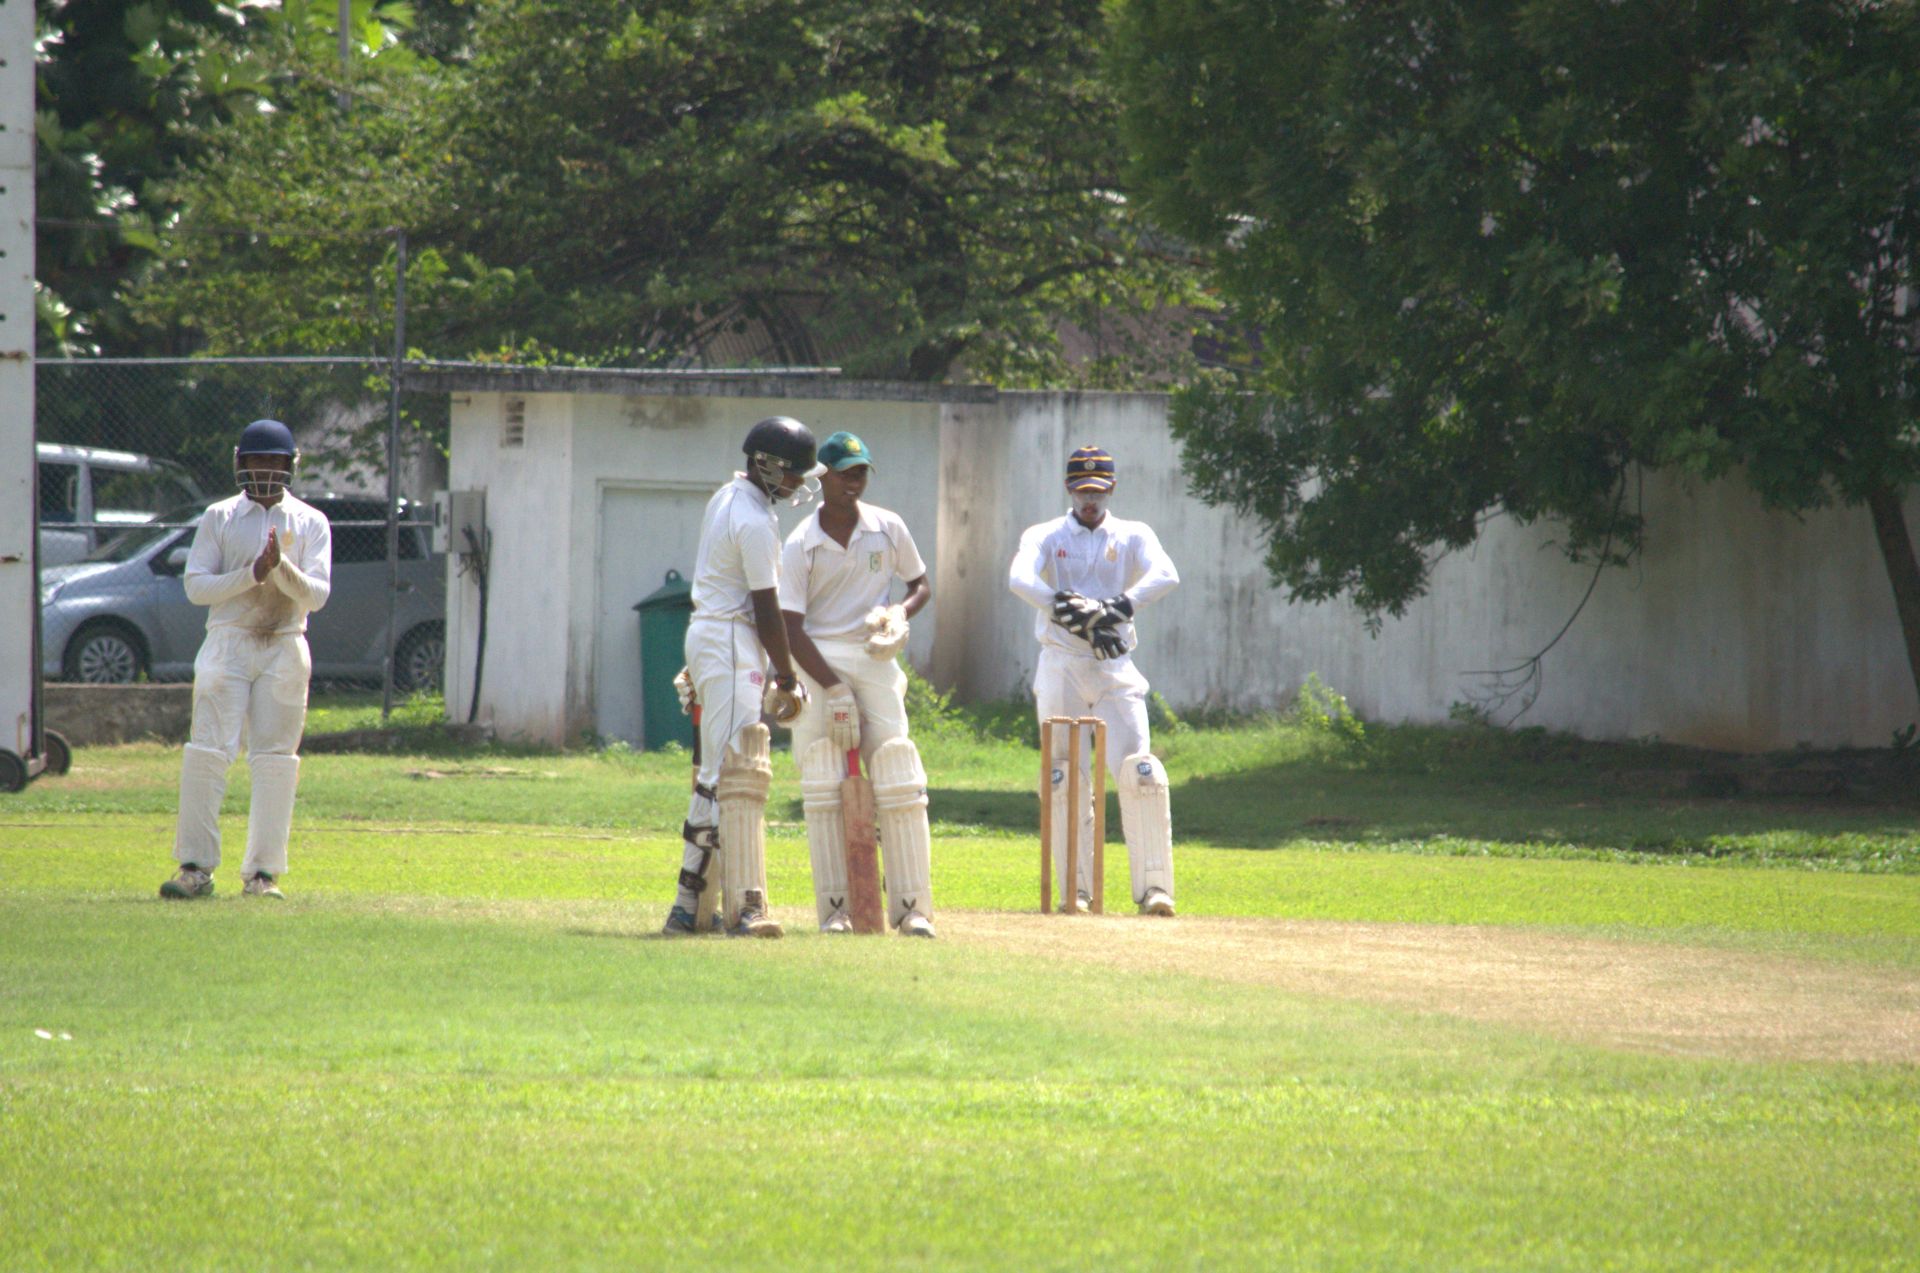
1050 730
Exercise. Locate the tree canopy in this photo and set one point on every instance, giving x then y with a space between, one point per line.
895 189
1494 257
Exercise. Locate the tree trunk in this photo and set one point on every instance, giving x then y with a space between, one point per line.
1903 571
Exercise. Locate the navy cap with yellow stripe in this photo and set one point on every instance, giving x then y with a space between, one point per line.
1090 468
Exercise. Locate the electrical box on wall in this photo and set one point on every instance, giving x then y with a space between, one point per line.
454 514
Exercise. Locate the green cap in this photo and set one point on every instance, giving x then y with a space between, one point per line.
843 451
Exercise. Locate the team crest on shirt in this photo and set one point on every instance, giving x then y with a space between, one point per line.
1113 552
756 678
873 563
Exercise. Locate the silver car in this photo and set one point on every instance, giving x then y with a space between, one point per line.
122 614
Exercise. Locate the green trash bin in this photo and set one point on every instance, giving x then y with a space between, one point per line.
664 615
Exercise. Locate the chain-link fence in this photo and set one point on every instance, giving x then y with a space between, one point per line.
131 450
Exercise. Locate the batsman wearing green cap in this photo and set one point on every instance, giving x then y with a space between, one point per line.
838 570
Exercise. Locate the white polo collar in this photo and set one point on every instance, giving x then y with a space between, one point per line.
868 523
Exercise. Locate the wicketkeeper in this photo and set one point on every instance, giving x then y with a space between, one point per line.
261 561
735 632
1087 574
837 572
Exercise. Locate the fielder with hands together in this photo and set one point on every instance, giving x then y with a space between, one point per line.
261 561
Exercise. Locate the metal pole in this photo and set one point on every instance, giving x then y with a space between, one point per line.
346 54
393 460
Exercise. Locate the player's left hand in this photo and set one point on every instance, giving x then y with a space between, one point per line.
886 631
1107 644
1075 613
1114 611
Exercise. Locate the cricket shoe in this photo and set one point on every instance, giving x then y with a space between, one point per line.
191 882
1156 902
680 923
915 924
837 924
1081 905
260 884
754 920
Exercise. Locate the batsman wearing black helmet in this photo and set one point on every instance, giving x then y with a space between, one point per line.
736 632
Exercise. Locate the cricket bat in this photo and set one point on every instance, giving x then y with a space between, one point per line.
858 817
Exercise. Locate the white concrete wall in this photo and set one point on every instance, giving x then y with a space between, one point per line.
19 602
1737 628
575 547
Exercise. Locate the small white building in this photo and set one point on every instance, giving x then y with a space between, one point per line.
1735 628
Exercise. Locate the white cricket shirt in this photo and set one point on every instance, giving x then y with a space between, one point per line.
1116 557
739 551
835 587
230 538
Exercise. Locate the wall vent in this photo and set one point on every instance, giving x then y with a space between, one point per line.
513 422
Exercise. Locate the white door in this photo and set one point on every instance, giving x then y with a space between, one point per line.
646 529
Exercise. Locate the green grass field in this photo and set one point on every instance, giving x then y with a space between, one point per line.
1450 999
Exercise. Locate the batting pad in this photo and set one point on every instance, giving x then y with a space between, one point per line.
1148 820
821 771
270 814
900 797
746 774
203 785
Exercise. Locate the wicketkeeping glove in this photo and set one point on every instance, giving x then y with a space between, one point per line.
1076 613
1107 643
886 631
784 700
843 717
1114 611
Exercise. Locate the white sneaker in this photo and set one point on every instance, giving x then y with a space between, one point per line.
190 882
839 923
260 884
1156 902
754 920
914 924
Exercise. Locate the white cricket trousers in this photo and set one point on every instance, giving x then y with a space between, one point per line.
728 667
249 689
879 689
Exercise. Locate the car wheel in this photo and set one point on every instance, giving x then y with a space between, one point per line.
105 654
419 661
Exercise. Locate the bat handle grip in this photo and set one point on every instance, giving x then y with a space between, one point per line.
853 762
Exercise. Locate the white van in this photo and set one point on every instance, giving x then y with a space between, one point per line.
88 495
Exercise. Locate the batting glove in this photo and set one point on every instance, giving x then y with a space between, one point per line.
843 717
785 699
683 686
886 631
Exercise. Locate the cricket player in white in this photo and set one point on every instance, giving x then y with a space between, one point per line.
1087 574
261 561
735 631
836 575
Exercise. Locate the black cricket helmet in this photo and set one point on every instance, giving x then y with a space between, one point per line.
776 447
263 438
